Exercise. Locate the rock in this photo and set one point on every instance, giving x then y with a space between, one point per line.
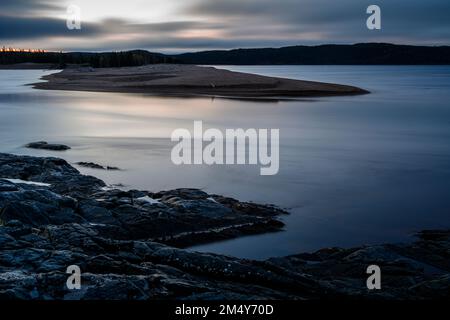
90 165
37 207
167 216
62 177
437 288
93 165
7 186
128 246
47 146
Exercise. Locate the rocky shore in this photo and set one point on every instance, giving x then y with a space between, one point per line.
188 80
129 245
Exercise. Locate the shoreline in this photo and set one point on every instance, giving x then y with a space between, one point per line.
65 218
182 217
188 80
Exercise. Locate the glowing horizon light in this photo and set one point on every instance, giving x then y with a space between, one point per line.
11 49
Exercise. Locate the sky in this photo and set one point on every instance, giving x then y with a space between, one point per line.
174 26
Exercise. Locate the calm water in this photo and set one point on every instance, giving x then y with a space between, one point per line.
353 170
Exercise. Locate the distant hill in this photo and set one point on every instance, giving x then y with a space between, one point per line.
94 59
364 53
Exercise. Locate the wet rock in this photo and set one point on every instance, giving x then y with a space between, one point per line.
62 177
37 207
7 186
93 165
47 146
437 288
90 165
167 216
128 246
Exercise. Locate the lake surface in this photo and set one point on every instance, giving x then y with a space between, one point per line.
353 170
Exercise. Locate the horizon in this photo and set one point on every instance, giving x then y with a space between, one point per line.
199 25
43 50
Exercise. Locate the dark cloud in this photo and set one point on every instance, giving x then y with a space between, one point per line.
322 11
413 21
288 11
29 28
21 7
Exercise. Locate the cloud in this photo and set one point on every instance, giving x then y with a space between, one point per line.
225 24
24 7
28 28
413 21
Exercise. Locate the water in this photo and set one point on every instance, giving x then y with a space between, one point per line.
353 170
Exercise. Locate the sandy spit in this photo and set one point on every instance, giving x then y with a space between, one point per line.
188 80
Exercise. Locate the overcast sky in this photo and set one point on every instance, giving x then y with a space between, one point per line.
193 25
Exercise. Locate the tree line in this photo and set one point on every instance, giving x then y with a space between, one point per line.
96 60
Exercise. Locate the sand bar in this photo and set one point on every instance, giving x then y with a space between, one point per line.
188 80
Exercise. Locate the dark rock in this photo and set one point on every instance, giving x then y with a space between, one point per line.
63 178
167 216
90 165
47 146
7 186
93 165
37 207
123 242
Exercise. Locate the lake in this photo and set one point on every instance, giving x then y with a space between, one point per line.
353 170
